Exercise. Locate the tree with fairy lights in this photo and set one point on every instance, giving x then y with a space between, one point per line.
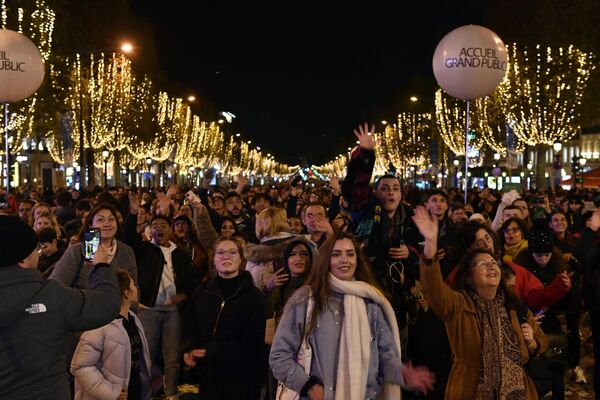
490 122
542 96
405 144
450 116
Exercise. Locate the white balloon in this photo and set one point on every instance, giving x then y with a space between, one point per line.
470 62
21 67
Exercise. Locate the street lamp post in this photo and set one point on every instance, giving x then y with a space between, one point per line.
105 159
582 162
456 163
149 162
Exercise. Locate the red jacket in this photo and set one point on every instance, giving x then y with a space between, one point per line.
529 288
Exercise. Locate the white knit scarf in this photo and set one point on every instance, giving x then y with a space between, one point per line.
355 340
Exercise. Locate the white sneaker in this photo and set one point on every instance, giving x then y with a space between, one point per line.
579 375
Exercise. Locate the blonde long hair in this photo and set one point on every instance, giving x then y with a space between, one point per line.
271 221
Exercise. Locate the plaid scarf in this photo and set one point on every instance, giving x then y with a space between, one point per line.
501 375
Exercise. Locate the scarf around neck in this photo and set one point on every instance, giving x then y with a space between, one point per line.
511 251
355 339
501 374
111 251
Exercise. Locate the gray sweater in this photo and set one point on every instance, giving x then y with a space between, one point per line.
384 363
65 269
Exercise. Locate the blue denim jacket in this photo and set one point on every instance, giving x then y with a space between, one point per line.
384 363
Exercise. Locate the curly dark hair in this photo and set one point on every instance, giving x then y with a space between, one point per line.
511 301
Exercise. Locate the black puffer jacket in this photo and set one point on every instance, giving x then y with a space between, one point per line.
231 327
35 319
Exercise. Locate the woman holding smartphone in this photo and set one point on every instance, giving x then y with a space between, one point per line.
71 270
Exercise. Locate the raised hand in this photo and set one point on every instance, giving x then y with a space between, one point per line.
277 279
429 228
334 184
425 222
164 203
134 203
365 136
242 180
324 226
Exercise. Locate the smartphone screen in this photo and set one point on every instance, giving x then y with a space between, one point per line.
91 241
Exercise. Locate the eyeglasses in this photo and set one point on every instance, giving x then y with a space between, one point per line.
484 240
223 253
512 230
487 264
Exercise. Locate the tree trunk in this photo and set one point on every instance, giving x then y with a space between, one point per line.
91 169
117 168
540 167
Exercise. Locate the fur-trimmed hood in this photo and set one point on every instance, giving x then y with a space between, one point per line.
274 248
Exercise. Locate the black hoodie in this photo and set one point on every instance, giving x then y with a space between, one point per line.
36 316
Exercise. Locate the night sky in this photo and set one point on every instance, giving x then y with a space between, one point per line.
300 75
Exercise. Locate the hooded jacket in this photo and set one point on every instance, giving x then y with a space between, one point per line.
102 362
35 318
260 256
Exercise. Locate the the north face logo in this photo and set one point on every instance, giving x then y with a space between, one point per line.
36 308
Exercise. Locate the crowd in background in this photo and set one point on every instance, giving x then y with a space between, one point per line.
338 289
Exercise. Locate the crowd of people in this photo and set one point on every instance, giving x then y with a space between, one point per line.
335 290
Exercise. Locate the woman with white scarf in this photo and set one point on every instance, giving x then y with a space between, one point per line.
351 330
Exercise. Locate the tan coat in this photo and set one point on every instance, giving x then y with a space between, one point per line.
463 324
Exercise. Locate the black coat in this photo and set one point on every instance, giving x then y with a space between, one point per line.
35 318
150 264
232 330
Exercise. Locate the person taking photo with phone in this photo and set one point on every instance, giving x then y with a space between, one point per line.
72 268
37 315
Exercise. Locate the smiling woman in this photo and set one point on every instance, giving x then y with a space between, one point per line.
490 341
351 330
224 329
70 270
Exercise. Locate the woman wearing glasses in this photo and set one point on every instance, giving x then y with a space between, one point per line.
489 343
224 329
514 232
527 287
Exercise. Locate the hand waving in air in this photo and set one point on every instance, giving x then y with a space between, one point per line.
428 226
365 136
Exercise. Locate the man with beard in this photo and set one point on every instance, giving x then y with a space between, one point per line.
245 224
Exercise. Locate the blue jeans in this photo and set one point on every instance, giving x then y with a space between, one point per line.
163 328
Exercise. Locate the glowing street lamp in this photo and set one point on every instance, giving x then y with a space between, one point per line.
191 98
127 47
557 146
414 99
